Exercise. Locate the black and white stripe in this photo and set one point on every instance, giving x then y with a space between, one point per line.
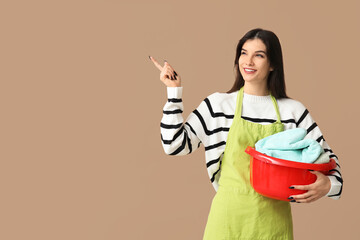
305 113
176 111
175 100
206 130
217 114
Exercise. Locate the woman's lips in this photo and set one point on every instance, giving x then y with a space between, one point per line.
249 70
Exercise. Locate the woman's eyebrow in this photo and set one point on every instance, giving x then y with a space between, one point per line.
255 51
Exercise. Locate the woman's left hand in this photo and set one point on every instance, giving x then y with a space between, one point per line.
315 191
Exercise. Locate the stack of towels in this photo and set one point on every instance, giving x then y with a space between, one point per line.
291 145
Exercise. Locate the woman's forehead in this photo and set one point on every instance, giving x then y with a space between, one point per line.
254 45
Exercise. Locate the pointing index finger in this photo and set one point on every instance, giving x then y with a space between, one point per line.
156 63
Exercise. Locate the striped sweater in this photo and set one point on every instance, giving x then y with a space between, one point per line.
210 122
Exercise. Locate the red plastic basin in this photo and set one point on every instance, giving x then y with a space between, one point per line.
272 177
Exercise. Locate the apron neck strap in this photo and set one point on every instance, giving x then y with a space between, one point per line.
239 101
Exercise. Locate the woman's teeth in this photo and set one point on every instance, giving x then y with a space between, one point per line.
249 70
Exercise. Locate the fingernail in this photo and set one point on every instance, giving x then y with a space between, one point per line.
165 61
149 57
175 73
291 187
290 198
292 201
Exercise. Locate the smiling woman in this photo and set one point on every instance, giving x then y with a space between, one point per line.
227 123
261 51
254 64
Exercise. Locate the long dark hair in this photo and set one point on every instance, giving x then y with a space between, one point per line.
276 79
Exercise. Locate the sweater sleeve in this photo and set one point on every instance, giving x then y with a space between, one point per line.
314 132
178 137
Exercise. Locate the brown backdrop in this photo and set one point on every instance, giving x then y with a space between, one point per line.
81 104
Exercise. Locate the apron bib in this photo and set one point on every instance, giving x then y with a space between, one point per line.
237 210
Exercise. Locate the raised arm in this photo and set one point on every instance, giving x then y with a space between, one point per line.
177 137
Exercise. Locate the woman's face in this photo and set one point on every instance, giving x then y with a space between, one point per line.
254 64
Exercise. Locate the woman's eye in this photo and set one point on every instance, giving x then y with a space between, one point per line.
260 55
242 53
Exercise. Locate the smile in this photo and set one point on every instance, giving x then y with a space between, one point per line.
248 70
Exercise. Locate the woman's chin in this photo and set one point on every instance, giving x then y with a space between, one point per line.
249 79
253 79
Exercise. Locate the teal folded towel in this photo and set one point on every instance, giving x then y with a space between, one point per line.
290 145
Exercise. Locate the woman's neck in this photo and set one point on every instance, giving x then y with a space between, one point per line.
256 89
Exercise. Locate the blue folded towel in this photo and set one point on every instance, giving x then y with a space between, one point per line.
290 145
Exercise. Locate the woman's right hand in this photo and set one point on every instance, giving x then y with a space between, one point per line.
168 75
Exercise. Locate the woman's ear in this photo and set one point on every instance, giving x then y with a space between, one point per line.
271 69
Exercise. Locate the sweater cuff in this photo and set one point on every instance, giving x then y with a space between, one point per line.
335 186
174 92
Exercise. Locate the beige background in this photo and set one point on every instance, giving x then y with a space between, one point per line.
81 104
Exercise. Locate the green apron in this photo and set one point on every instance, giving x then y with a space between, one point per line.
237 210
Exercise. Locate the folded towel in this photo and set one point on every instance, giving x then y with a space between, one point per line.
290 145
323 158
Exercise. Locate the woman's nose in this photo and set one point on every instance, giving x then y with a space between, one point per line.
249 61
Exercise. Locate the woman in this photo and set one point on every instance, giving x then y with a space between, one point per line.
226 123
